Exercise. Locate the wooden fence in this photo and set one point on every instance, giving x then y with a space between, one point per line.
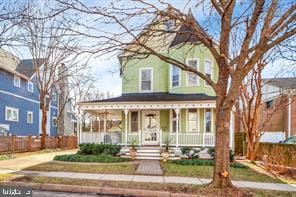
15 144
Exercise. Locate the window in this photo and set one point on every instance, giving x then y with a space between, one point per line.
192 120
146 79
30 86
208 117
54 121
208 70
11 114
54 97
174 122
269 104
175 76
192 79
30 117
17 81
134 121
169 25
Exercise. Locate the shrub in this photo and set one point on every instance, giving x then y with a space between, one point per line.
98 149
204 162
90 158
211 151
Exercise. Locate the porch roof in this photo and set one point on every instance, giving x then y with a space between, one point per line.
150 101
159 96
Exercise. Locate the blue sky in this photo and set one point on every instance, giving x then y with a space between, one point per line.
106 69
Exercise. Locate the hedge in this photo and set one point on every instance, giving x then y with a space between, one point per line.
278 154
203 162
98 149
90 158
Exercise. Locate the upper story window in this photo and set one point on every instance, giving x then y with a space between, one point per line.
30 117
146 79
134 121
175 76
208 69
192 78
192 120
169 25
30 86
54 121
17 81
54 97
208 120
11 114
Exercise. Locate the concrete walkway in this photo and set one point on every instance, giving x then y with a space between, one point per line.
149 167
158 179
22 162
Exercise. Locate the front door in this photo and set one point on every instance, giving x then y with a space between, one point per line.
150 123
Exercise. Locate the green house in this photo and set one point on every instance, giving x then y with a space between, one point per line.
160 101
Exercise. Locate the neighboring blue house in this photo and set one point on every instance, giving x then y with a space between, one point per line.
19 99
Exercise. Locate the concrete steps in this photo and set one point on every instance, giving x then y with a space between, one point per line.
148 153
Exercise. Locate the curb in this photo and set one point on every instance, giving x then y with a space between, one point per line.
97 190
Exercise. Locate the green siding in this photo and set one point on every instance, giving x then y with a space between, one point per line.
161 71
183 120
130 79
201 120
165 120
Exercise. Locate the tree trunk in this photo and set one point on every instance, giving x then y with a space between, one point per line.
43 127
222 163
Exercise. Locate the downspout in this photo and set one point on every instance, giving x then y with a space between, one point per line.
289 117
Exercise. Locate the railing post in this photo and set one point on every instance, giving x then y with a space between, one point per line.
29 143
125 126
204 139
177 110
140 137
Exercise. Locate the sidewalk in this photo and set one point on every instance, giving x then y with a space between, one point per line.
158 179
19 163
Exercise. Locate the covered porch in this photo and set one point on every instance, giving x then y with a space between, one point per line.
183 121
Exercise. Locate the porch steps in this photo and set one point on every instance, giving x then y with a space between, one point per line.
148 153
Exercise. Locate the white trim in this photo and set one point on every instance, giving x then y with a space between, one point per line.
24 98
212 72
171 121
28 86
12 109
140 80
31 113
187 73
15 79
171 77
148 105
158 126
197 121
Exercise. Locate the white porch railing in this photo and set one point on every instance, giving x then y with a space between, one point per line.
190 139
101 137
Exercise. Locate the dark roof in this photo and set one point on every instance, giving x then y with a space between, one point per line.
285 83
186 33
154 97
27 67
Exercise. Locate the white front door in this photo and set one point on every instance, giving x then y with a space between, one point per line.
150 127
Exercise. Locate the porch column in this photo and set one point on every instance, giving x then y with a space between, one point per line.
91 125
231 129
105 126
177 110
80 125
125 125
289 117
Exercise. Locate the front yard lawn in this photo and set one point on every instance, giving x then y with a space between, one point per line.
175 188
243 174
114 168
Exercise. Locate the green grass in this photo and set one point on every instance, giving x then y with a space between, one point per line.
204 162
113 168
174 188
90 158
243 174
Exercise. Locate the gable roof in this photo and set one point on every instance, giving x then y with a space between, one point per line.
27 67
284 83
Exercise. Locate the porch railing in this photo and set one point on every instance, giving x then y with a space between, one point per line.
189 139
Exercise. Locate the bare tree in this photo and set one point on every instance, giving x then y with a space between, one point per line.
237 34
50 44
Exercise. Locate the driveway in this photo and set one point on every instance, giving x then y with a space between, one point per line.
22 162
